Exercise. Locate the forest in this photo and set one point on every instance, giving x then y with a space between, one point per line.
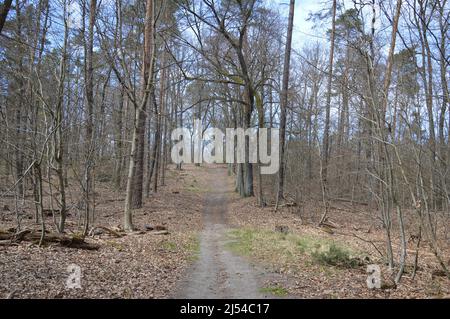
94 204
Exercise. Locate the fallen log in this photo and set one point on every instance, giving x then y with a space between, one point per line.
326 229
94 231
35 236
159 232
330 224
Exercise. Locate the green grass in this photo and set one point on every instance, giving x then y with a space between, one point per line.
169 246
193 247
194 189
280 249
196 186
116 245
275 290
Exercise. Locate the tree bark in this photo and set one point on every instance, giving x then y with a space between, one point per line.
4 13
149 52
326 134
326 138
284 101
89 88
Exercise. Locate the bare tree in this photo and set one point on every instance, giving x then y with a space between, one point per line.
284 101
147 83
326 134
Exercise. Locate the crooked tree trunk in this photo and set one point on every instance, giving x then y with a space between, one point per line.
326 134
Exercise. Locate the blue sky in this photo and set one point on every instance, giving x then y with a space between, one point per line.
303 30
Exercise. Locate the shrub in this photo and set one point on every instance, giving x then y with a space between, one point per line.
334 256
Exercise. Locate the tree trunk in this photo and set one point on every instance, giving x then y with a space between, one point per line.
147 76
89 87
284 101
118 142
4 13
326 133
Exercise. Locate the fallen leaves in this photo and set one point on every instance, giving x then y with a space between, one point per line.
322 281
125 266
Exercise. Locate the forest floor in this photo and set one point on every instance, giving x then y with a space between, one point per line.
218 246
140 265
332 262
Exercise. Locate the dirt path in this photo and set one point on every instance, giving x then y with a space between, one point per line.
218 273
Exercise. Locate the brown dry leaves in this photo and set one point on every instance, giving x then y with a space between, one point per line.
133 266
149 266
310 280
